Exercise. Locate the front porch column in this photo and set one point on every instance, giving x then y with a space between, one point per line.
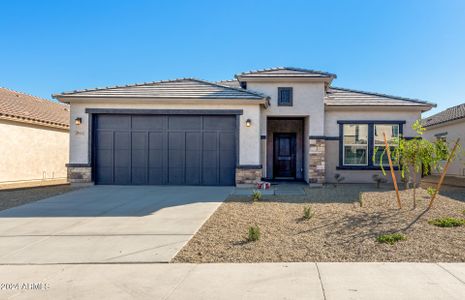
316 157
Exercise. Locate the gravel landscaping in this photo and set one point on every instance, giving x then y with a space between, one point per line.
12 198
339 230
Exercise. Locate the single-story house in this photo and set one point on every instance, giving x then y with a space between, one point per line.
449 125
35 140
276 124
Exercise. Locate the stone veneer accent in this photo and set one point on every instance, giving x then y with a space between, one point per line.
316 166
248 175
79 174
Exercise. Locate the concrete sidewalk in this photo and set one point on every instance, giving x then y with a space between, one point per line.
236 281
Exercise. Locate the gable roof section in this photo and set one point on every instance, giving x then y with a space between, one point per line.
287 72
185 88
25 108
451 114
347 97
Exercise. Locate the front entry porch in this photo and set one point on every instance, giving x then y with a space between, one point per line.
284 149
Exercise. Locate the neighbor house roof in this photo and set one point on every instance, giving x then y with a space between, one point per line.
347 97
290 72
231 83
25 108
453 113
184 88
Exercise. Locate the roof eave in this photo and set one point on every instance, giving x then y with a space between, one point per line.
284 78
423 108
77 97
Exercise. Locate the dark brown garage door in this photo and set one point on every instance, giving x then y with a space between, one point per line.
162 149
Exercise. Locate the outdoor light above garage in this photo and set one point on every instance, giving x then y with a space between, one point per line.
248 123
78 121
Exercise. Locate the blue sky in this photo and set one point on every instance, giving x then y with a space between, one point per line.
407 48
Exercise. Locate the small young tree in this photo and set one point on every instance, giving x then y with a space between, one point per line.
416 156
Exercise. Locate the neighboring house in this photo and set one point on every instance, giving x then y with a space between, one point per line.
281 123
448 125
34 136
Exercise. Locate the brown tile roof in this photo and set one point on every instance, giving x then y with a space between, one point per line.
347 97
280 72
182 88
25 108
452 113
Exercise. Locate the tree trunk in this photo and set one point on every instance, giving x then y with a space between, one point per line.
414 190
444 171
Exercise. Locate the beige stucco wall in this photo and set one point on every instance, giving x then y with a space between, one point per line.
308 102
332 130
375 113
454 130
30 152
249 137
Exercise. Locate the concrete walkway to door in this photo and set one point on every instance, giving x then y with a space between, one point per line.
107 224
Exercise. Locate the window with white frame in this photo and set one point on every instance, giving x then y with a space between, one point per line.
355 145
392 134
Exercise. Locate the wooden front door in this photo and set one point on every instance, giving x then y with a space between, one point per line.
284 155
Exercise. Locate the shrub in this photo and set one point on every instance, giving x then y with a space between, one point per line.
391 239
463 211
447 222
254 233
256 195
308 213
431 190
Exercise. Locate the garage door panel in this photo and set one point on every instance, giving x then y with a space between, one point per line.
157 140
176 159
227 159
210 176
122 140
149 122
184 122
227 141
176 150
122 175
104 140
219 123
194 140
157 176
176 176
104 158
210 159
176 141
113 122
227 176
104 175
156 158
193 176
139 140
139 175
122 158
210 141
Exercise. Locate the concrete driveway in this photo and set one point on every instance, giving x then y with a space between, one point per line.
103 224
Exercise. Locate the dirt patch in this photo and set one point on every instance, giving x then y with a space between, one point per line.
12 198
340 229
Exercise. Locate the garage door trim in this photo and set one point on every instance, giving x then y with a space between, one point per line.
94 112
165 111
